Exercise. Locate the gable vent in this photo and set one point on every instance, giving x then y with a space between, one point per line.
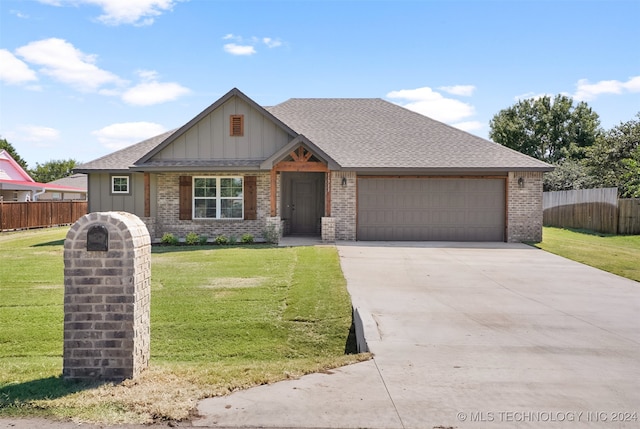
236 125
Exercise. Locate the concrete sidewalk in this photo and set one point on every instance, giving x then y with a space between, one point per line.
467 335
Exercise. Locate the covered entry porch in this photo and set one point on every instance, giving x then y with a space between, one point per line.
301 193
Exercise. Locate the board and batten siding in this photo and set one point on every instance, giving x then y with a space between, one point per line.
99 187
210 137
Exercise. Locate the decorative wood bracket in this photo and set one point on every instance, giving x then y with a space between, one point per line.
299 160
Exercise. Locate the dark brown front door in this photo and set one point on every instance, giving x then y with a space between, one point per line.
303 206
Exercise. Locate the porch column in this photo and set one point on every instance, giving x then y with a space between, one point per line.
327 198
147 195
274 190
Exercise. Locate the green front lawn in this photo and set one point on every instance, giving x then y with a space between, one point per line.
222 318
617 254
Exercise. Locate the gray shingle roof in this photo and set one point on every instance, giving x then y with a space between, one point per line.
356 133
77 180
373 133
124 158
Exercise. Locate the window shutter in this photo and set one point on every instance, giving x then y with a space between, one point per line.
250 198
185 198
236 125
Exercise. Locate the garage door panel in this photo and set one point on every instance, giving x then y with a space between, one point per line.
431 209
483 218
439 200
378 218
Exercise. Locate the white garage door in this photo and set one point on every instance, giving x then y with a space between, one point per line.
429 209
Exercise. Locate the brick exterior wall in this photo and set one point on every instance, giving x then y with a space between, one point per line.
343 204
524 206
107 299
524 222
168 210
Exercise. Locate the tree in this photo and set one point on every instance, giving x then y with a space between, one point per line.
52 170
569 174
546 129
615 158
4 144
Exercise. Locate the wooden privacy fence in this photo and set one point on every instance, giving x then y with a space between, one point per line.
593 209
36 214
629 216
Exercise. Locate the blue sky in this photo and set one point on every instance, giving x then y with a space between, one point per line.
82 78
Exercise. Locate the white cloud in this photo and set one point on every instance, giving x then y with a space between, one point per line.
148 75
19 14
150 91
244 46
469 126
65 63
116 12
586 91
463 90
528 95
13 70
432 104
234 49
37 134
118 136
633 84
271 43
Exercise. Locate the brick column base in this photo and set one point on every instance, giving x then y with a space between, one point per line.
107 284
328 229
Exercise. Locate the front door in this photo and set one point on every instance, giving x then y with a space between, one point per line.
303 207
305 202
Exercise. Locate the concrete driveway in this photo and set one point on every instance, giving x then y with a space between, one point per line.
468 335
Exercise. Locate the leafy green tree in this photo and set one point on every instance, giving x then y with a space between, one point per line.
52 170
551 130
568 174
615 158
630 184
4 144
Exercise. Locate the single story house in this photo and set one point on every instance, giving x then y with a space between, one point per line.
77 181
16 185
341 168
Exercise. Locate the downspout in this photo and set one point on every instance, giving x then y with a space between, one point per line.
35 196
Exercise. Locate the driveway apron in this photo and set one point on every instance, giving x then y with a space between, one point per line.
467 335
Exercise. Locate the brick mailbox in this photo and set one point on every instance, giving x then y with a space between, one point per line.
107 283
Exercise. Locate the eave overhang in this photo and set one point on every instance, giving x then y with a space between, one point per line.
446 170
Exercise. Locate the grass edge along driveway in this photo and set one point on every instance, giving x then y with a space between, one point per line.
617 254
222 319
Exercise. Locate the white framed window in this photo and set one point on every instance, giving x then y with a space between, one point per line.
121 184
218 198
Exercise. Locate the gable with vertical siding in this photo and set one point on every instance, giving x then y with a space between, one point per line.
210 138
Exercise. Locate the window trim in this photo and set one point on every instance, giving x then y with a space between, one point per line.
218 198
112 178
